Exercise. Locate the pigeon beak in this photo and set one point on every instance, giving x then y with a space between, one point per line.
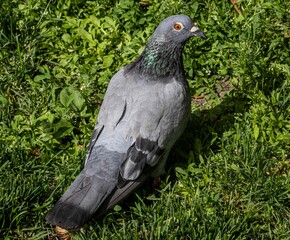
196 32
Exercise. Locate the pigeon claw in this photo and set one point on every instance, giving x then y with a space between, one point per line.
62 233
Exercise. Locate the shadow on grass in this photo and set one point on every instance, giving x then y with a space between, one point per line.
206 127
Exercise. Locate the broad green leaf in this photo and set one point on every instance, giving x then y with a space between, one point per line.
117 208
65 97
41 77
78 100
108 60
256 131
85 35
67 38
110 21
4 100
240 18
235 167
181 171
95 21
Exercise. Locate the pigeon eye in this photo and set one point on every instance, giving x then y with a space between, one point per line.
177 26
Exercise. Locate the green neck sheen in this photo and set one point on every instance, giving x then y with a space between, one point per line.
160 59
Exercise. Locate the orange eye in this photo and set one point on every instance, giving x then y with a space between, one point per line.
177 26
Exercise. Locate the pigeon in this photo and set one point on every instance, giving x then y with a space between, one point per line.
145 110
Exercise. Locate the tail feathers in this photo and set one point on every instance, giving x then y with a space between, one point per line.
120 194
67 216
79 202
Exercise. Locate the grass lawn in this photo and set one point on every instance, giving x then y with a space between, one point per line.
226 178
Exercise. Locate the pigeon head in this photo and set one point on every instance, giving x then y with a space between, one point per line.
177 28
162 56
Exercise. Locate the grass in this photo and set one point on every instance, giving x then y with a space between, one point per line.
226 178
